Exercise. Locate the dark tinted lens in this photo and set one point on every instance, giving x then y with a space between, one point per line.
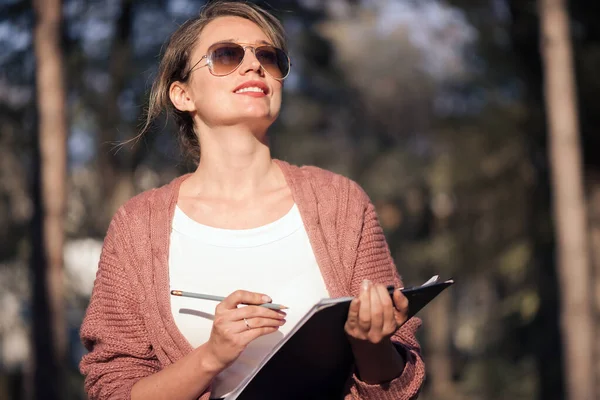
274 61
225 57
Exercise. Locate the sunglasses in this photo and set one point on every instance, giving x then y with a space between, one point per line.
225 57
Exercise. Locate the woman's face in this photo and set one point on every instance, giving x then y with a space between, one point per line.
216 99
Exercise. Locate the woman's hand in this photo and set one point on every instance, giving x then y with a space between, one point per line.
372 319
233 327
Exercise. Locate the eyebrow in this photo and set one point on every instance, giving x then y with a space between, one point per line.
238 41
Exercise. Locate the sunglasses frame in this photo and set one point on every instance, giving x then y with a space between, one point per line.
244 46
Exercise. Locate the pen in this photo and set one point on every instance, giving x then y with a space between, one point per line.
202 296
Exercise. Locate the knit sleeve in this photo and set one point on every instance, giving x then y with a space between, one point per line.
113 330
374 262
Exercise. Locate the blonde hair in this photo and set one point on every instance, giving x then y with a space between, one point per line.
175 63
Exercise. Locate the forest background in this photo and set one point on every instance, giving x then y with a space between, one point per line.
476 140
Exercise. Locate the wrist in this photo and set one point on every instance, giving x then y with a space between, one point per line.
360 347
377 362
208 361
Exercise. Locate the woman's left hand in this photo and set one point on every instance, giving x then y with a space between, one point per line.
373 316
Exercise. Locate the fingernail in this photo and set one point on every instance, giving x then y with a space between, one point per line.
365 284
266 299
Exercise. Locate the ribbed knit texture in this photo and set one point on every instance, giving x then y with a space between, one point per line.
129 328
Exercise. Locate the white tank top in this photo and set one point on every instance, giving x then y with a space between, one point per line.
275 259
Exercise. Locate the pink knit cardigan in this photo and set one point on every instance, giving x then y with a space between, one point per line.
129 329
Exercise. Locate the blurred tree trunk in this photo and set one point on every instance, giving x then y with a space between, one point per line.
594 209
49 335
116 170
438 336
573 265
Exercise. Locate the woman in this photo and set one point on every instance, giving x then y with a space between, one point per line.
242 224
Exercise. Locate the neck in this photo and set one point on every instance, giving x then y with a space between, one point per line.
234 163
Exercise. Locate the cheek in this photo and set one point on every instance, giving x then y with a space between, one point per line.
208 94
276 106
276 98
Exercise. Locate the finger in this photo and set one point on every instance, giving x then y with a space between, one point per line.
401 307
257 323
376 311
251 334
389 321
352 319
256 311
243 297
364 311
400 301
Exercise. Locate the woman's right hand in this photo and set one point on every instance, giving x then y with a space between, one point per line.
234 328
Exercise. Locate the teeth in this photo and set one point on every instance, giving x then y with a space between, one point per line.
250 89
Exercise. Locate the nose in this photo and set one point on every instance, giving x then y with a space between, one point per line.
250 63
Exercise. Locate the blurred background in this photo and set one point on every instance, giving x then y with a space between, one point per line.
477 141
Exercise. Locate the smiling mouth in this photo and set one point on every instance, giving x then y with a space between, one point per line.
250 89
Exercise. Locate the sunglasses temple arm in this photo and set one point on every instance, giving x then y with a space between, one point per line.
187 75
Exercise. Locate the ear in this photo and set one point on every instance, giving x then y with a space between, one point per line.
180 97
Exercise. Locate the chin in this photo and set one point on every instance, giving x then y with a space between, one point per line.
259 116
257 113
256 122
257 110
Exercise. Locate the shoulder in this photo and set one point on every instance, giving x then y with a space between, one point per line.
135 212
324 181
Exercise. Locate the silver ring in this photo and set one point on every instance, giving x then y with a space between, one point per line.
246 322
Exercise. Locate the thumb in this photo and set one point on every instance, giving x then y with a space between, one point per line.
400 301
244 297
353 311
